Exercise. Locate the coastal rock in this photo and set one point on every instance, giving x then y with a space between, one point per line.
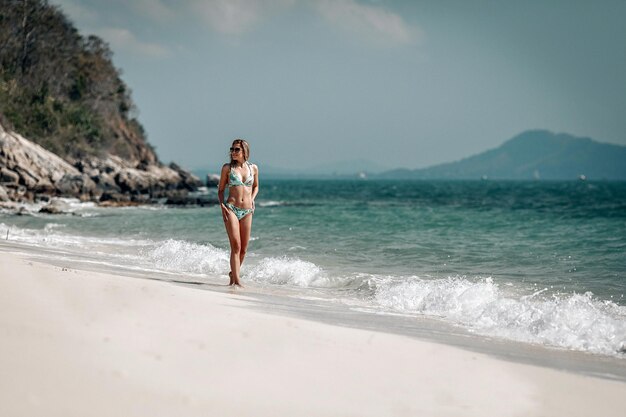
24 157
144 182
75 185
26 167
105 182
55 207
187 179
133 181
3 194
28 172
8 177
22 211
44 186
212 180
113 197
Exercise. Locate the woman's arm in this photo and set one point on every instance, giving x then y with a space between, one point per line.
222 185
255 184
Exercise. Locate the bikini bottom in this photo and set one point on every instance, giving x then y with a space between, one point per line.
239 212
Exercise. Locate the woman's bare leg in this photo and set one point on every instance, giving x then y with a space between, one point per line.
245 227
232 229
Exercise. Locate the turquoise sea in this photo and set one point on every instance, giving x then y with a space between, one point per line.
537 262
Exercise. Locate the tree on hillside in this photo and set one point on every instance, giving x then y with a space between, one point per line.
61 89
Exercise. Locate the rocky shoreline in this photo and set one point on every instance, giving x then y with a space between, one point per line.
29 173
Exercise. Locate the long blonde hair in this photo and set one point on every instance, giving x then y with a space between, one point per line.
245 148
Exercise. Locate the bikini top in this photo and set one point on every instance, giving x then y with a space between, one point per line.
235 180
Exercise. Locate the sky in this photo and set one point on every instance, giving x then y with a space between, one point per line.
400 83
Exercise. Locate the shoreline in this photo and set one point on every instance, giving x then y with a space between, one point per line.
289 302
80 342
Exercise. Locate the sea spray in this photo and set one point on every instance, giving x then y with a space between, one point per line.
287 271
185 257
572 321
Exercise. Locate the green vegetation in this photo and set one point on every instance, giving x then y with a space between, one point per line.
61 89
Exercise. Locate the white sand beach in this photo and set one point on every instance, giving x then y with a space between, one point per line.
82 343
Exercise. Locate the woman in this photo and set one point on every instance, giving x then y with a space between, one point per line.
242 179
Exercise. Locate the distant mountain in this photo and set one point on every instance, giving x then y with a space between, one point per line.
534 154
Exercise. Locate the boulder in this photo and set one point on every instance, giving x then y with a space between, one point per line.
8 177
3 194
75 185
44 186
111 197
212 180
32 164
55 206
23 211
105 182
140 198
133 181
9 205
188 181
27 177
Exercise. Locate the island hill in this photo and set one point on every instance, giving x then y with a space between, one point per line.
532 155
68 125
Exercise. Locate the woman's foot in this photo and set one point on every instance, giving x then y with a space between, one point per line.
232 282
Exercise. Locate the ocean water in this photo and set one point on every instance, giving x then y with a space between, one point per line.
536 262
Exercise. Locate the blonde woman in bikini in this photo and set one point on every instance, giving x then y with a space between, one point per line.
242 179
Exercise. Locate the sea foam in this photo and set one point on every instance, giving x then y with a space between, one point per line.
287 271
53 236
180 256
572 321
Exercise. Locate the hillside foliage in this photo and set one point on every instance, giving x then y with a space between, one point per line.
61 89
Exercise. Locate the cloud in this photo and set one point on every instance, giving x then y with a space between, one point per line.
155 9
75 10
91 19
124 40
368 20
235 17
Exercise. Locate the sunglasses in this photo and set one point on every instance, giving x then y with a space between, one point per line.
235 150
